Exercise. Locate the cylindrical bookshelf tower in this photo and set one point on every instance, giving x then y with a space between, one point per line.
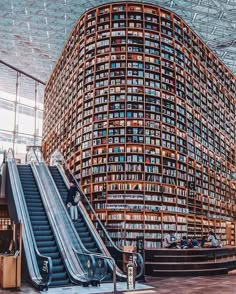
144 113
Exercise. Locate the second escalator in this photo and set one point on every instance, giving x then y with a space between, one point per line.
41 228
81 225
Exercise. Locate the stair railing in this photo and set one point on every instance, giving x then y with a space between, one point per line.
39 266
74 269
95 257
138 257
91 257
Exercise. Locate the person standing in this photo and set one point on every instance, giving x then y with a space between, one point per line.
70 201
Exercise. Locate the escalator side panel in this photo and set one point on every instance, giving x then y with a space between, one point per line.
43 234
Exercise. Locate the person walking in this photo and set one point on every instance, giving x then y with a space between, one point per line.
70 201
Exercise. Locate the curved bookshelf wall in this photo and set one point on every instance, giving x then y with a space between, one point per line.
144 113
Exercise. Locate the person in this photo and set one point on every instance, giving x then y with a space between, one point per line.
184 244
204 241
170 241
213 240
194 243
70 203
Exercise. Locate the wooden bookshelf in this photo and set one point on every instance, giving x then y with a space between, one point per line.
137 101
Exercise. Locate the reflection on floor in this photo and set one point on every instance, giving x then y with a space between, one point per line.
104 288
224 284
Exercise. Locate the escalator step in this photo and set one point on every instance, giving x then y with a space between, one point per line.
83 229
53 255
84 235
56 261
57 283
90 245
44 238
86 240
41 233
42 244
58 269
59 276
42 228
37 213
34 208
33 196
34 200
36 218
40 222
47 250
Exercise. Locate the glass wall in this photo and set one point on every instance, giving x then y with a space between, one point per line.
21 111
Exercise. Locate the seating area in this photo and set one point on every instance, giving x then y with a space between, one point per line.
190 262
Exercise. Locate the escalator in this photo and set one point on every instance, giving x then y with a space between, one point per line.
82 229
43 234
80 226
97 239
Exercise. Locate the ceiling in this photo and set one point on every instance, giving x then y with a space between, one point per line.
33 33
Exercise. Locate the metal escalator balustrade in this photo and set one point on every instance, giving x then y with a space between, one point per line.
76 260
81 227
39 266
86 209
43 234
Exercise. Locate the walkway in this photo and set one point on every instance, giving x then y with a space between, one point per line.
225 284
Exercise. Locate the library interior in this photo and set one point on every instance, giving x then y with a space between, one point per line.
118 146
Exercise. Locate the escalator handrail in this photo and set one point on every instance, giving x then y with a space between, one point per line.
139 256
75 270
27 228
92 256
92 228
85 252
75 275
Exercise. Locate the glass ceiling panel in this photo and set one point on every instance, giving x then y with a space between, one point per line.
33 33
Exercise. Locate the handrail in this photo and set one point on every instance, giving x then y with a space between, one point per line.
48 175
22 72
113 265
139 256
74 269
28 233
85 252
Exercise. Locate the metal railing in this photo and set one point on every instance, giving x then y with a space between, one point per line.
90 209
36 156
39 266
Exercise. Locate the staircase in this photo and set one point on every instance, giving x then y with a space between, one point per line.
189 262
80 226
41 228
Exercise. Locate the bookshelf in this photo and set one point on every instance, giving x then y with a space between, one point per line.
144 114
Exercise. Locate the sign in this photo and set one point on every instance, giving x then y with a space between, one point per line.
130 275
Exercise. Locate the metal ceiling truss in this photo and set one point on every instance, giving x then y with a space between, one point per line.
33 33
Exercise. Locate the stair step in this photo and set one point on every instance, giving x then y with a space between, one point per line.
59 276
44 238
184 273
44 244
47 250
56 283
56 261
182 258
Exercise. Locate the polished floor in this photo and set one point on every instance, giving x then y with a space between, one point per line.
225 284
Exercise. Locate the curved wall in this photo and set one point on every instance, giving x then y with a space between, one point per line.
144 114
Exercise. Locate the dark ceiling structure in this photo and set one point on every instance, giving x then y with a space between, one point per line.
33 33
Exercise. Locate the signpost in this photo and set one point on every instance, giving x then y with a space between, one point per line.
130 275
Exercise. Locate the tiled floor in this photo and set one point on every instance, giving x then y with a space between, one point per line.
225 284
